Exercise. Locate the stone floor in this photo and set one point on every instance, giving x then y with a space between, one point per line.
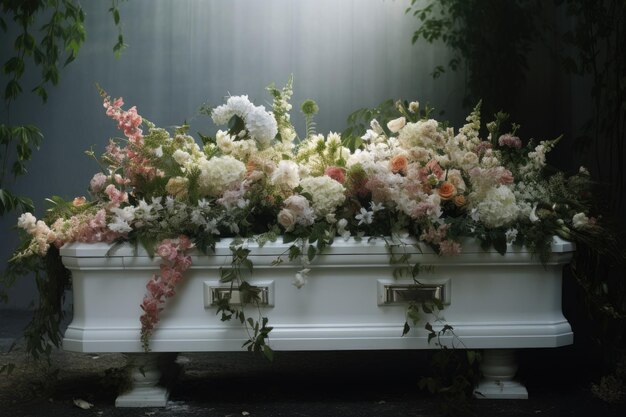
377 384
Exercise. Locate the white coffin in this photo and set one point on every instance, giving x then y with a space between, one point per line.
492 301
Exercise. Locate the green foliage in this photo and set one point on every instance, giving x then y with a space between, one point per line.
48 36
492 52
257 328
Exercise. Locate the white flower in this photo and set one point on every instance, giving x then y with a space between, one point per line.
235 105
511 235
127 213
197 217
27 222
286 175
376 206
396 124
262 126
414 106
498 207
287 219
369 135
119 225
181 157
326 193
365 216
220 174
144 211
158 152
580 221
376 127
533 214
301 277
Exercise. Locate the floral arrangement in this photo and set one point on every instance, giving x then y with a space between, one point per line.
408 176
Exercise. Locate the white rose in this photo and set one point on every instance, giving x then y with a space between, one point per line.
286 219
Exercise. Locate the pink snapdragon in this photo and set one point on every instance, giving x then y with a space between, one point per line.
127 120
174 262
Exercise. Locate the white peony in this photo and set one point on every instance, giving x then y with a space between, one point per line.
286 175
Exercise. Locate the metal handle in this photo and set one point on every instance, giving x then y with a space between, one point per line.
216 293
402 293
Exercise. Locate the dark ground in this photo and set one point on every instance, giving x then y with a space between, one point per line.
364 383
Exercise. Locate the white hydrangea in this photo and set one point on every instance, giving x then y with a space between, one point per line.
261 125
498 208
327 194
219 174
235 105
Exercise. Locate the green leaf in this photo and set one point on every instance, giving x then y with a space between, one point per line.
247 263
415 270
311 252
499 242
13 89
289 237
406 328
471 356
268 353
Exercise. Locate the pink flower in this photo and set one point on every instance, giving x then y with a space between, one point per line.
166 251
97 182
434 168
449 247
160 287
116 196
336 173
510 141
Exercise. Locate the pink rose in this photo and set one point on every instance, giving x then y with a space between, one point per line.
336 173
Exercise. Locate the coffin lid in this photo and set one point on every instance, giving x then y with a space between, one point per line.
339 247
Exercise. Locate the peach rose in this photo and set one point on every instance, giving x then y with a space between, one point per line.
399 164
459 200
79 201
446 190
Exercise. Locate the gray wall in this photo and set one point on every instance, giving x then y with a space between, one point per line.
345 54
